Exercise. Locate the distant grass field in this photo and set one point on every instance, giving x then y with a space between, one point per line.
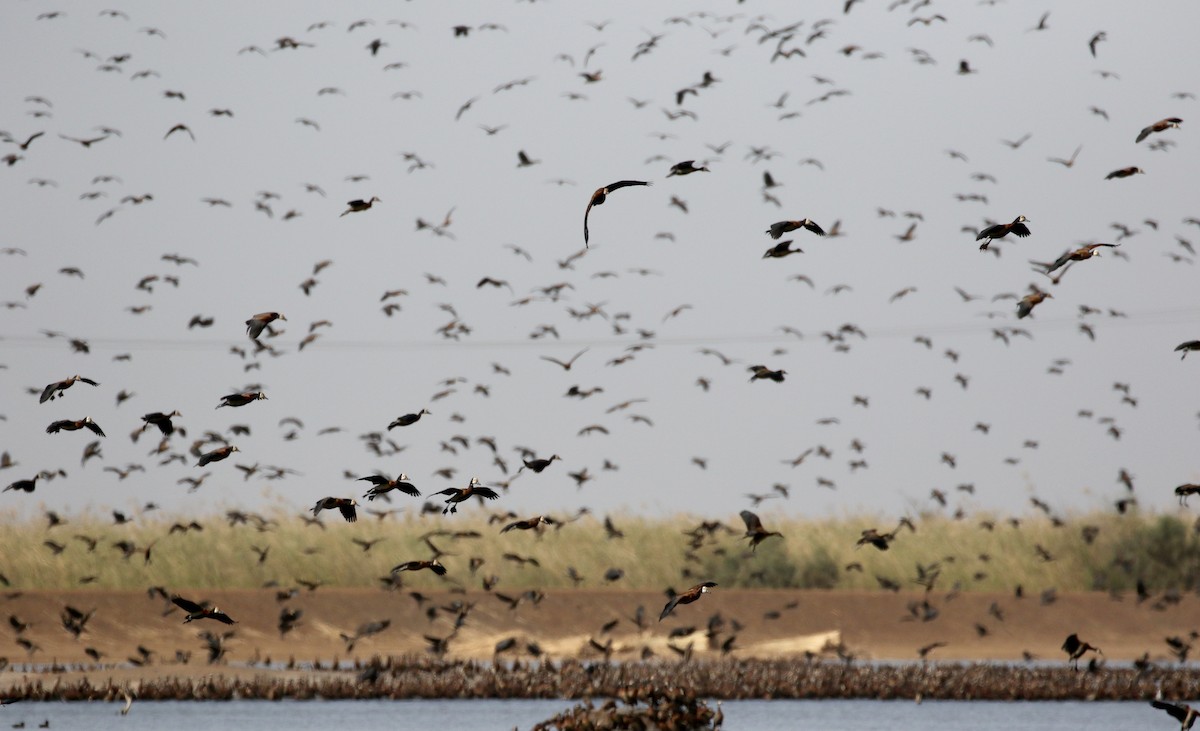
1160 550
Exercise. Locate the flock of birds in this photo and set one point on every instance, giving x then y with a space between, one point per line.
63 302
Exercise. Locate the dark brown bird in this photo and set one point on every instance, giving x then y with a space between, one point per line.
567 365
344 505
600 196
779 228
686 167
1124 172
1161 125
1185 347
199 611
54 390
457 495
1000 230
216 455
763 372
1029 301
432 564
241 399
256 324
23 485
686 597
1084 252
1183 492
876 539
755 531
68 425
162 421
382 485
537 465
358 205
1075 649
528 524
1185 714
780 250
407 419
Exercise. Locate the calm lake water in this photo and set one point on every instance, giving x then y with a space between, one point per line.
472 715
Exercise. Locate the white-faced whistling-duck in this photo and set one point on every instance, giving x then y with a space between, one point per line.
55 390
1185 347
779 228
458 494
780 250
1183 492
199 611
1075 649
432 564
763 372
256 324
381 485
407 419
686 597
686 167
998 231
69 425
1029 301
1185 714
241 399
600 196
1161 125
216 455
1083 252
529 524
537 465
755 531
1124 172
162 421
344 505
358 205
875 538
567 365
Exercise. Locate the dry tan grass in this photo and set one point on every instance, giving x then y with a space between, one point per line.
652 553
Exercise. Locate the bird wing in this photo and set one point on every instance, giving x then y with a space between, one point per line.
753 524
186 605
1178 712
408 489
487 492
586 213
348 512
47 393
623 183
669 607
94 428
377 480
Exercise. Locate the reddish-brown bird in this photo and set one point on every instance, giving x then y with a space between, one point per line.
458 494
344 505
779 228
998 231
241 399
432 564
600 196
1161 125
686 597
256 324
69 425
199 611
755 531
55 390
1124 172
216 455
381 485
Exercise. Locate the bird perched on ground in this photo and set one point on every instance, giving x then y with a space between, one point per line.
255 325
1083 252
344 505
1185 714
686 597
457 495
686 167
69 425
199 611
55 390
432 564
755 531
407 419
358 205
998 231
1185 347
382 485
600 196
216 455
779 228
1124 173
1161 125
1075 649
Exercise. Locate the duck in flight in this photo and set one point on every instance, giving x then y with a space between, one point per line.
600 196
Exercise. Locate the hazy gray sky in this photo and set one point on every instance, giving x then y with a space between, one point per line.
895 108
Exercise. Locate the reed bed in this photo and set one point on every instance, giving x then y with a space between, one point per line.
1086 552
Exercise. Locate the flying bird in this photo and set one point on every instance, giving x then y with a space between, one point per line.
1185 714
755 531
1124 173
344 505
55 390
781 227
1161 125
199 611
69 425
381 485
255 325
686 597
600 196
357 205
998 231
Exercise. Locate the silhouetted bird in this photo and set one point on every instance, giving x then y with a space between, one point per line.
600 196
